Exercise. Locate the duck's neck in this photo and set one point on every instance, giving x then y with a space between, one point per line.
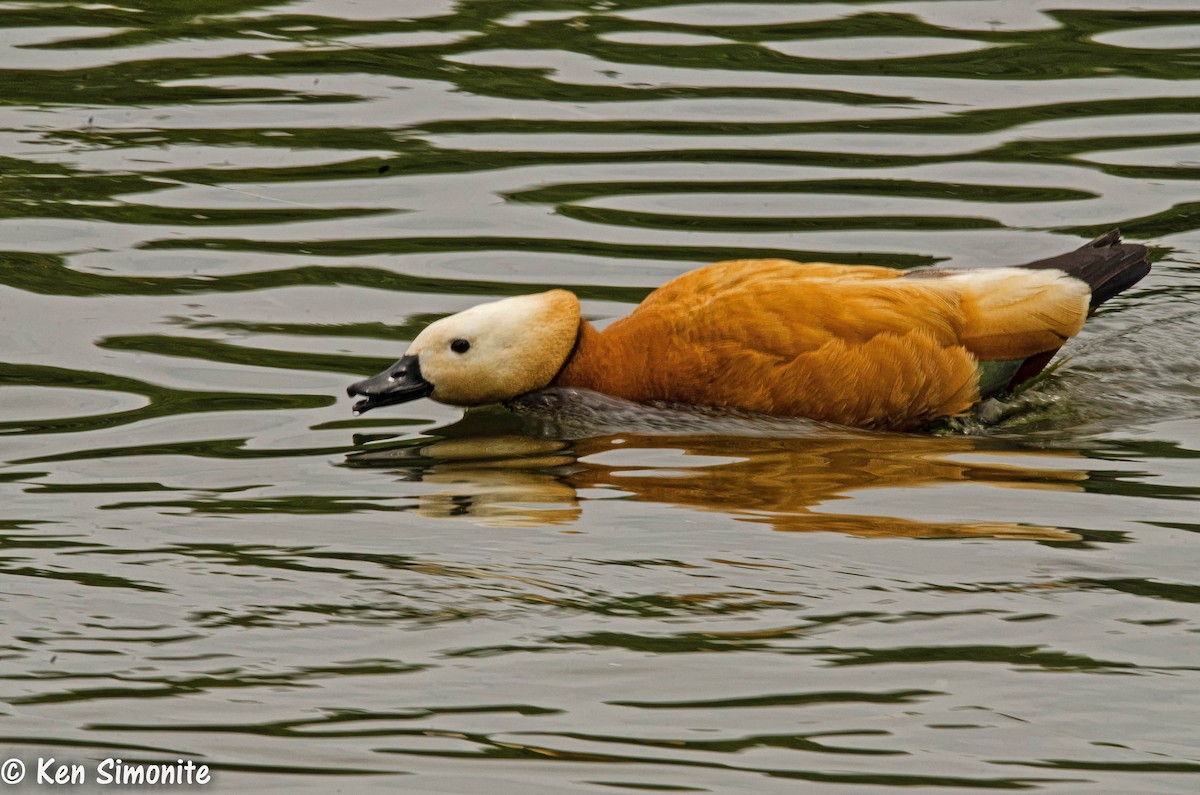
586 367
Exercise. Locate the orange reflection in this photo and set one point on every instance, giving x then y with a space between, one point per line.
791 484
794 484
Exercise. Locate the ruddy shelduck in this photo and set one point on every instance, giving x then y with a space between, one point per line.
865 346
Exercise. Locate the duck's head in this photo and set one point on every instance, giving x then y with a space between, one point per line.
486 354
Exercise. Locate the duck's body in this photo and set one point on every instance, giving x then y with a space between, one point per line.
855 345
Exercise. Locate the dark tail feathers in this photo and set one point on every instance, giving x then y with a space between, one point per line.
1106 264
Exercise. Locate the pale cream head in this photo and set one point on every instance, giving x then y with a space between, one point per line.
516 345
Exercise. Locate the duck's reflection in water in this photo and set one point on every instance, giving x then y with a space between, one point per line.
533 469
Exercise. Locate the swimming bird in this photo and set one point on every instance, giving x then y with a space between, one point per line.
864 346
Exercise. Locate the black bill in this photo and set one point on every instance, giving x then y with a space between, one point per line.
399 383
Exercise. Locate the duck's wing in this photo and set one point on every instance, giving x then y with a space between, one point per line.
863 347
787 308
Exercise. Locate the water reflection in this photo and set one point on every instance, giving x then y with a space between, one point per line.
501 469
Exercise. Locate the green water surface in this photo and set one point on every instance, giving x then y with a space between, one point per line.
215 214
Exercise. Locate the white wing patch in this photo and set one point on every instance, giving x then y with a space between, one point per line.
1012 313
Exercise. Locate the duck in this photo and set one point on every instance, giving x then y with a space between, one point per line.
854 345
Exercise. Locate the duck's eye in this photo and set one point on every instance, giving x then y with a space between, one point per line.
460 346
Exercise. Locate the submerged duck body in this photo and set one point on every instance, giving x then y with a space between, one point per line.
863 346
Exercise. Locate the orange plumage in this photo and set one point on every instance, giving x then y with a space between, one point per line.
863 346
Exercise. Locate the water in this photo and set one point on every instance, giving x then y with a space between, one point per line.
215 215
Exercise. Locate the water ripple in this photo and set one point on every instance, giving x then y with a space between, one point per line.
215 214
